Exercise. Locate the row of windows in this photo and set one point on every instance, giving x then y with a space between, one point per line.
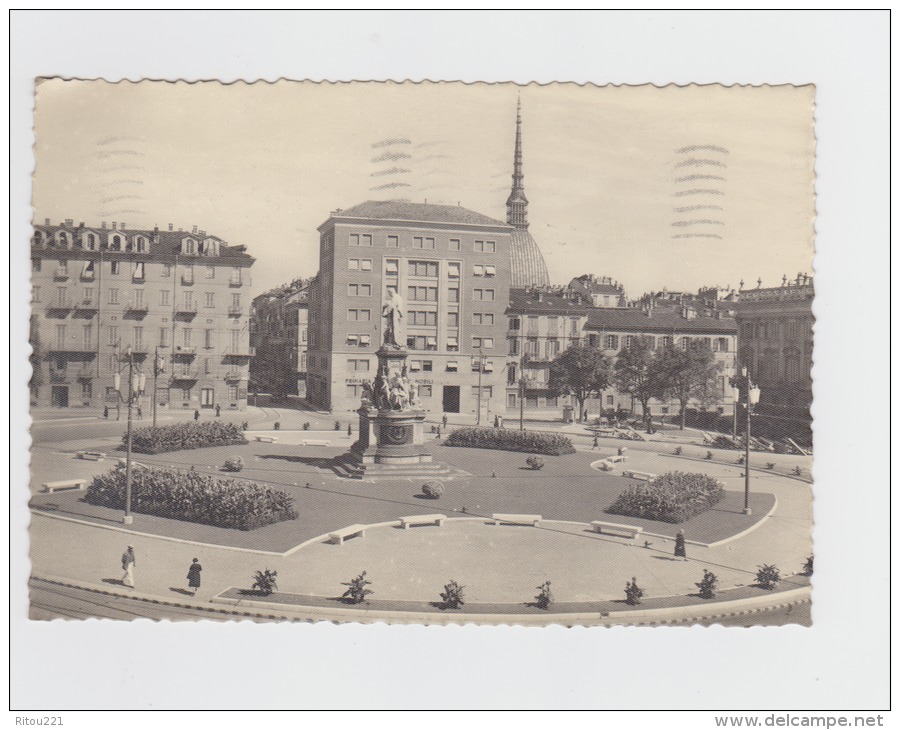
114 337
793 329
137 269
422 269
613 342
136 297
424 243
554 324
137 243
356 365
354 390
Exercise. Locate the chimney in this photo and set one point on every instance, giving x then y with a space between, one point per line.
46 221
194 230
70 222
114 225
81 225
156 229
122 226
171 227
103 225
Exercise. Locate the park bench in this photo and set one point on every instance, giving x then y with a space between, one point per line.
315 442
338 536
267 439
516 519
615 459
613 528
645 476
91 455
438 520
51 487
134 464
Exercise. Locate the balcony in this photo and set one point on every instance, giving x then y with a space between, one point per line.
234 375
81 349
184 351
137 307
235 311
184 375
61 273
237 281
60 306
185 310
187 279
85 373
87 305
58 376
241 352
86 276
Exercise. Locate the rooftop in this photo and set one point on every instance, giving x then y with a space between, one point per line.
637 320
420 212
546 301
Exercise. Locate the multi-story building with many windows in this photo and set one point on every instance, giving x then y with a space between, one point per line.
278 335
450 266
101 293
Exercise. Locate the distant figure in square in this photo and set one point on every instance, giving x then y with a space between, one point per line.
218 410
680 551
444 420
128 567
596 444
196 415
193 576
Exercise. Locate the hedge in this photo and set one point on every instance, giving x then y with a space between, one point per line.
181 436
193 497
533 442
673 497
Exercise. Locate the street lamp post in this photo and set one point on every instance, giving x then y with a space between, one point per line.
136 383
750 397
158 367
480 371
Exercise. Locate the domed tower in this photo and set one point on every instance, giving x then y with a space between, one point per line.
528 267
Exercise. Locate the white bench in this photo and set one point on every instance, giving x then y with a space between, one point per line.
615 459
78 484
516 519
134 464
267 439
91 455
338 536
642 475
438 520
315 442
613 528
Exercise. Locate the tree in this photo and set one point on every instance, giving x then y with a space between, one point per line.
637 373
581 372
687 374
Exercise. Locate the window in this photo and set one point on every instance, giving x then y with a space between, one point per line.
532 347
359 264
112 296
610 401
87 336
478 270
611 342
210 272
115 243
137 298
35 264
422 294
485 247
423 268
208 339
164 297
358 366
552 348
188 300
391 267
453 319
167 269
453 295
115 267
483 342
452 344
61 295
453 271
685 343
427 366
421 342
207 366
90 242
425 391
723 344
360 239
393 242
140 244
187 335
235 340
359 315
36 294
112 336
532 325
628 341
664 342
163 336
490 271
138 338
486 318
359 290
423 243
513 345
483 295
422 319
454 244
486 391
452 366
210 299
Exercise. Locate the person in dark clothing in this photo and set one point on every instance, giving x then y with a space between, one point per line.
196 415
193 576
680 551
218 410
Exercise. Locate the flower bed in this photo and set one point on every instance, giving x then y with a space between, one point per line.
674 497
194 497
534 442
179 436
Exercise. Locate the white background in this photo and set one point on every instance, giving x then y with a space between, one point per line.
841 663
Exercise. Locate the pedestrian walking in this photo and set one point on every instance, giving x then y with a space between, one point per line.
196 415
218 410
680 551
106 411
140 413
193 576
128 567
444 420
596 444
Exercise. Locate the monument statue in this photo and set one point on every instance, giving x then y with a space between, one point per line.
392 312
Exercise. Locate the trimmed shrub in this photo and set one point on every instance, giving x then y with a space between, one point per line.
233 463
708 584
192 496
633 593
181 436
433 489
545 597
673 497
357 591
265 581
453 595
535 462
536 442
808 566
767 577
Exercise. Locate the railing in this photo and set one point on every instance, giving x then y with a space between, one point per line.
187 279
133 307
57 376
235 311
86 276
87 305
191 374
190 309
238 281
60 305
184 351
235 375
63 347
60 274
240 352
85 373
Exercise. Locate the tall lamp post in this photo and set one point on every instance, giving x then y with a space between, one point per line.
749 394
136 383
159 366
480 371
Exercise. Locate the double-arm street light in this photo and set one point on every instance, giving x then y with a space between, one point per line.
135 387
159 366
746 394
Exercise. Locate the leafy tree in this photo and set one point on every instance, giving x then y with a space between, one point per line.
687 374
637 373
580 371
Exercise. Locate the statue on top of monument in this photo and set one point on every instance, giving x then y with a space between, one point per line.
392 312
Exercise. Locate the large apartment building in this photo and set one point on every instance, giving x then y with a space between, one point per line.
278 334
450 266
102 296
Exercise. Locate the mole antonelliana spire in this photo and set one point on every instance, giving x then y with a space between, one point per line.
527 265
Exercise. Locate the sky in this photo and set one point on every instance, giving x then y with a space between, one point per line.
606 168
